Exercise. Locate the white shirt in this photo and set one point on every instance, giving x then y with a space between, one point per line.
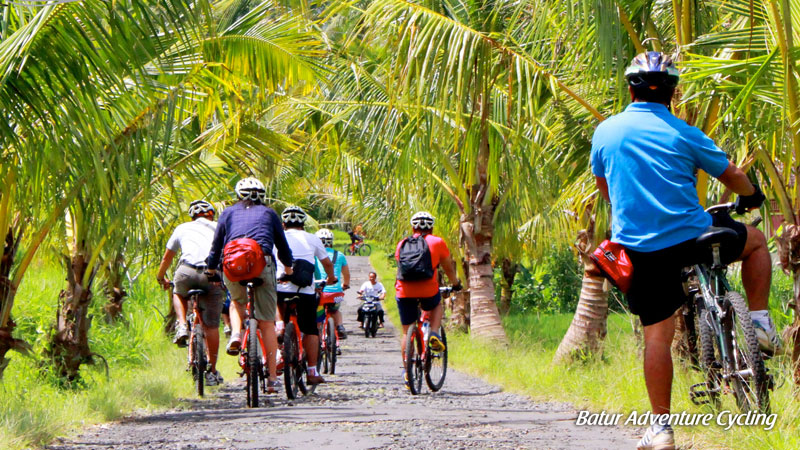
193 239
372 290
304 246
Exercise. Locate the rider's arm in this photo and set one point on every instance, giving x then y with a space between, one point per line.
345 277
446 263
328 266
279 240
166 261
215 253
736 180
602 186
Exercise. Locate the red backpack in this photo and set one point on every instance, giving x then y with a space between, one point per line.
613 262
243 259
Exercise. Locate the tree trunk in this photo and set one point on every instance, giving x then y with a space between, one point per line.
69 346
459 315
113 290
586 333
789 252
7 294
477 228
509 272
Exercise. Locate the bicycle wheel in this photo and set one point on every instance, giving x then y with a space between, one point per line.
364 250
254 363
290 362
302 383
413 358
749 375
436 365
199 353
709 364
330 344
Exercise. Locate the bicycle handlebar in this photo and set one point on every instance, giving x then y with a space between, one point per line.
730 206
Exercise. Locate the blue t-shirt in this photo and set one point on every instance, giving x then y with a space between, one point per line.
320 274
650 158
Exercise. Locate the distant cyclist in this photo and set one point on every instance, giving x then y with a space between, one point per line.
417 285
250 218
305 248
372 288
645 161
193 240
342 273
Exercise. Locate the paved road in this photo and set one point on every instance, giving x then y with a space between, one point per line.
364 406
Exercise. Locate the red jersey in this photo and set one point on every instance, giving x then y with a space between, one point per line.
423 288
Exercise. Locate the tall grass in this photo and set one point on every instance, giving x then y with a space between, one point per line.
614 384
145 369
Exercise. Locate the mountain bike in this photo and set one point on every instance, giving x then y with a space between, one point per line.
359 248
294 357
252 356
729 352
421 360
198 358
328 336
370 309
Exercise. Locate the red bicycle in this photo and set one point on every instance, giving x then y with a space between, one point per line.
294 355
421 360
328 336
252 357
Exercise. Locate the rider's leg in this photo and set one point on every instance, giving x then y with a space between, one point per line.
337 317
756 269
237 315
658 363
311 347
267 328
212 342
436 317
180 304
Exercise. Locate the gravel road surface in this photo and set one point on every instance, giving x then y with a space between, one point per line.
363 406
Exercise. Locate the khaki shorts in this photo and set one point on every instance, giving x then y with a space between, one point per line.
265 295
187 278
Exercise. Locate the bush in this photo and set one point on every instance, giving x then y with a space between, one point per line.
551 285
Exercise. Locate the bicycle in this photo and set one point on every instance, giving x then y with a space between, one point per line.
420 359
294 357
370 309
328 336
359 248
252 356
198 358
729 352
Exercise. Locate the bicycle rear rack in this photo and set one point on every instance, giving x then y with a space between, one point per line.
699 393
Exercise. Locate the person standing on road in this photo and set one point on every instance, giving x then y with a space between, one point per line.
374 289
193 240
645 160
417 285
305 248
341 271
250 218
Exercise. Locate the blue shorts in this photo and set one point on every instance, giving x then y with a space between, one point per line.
409 307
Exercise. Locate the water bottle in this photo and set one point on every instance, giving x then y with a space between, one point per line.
426 331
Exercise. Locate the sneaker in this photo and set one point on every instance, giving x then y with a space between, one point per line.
181 335
435 343
227 331
233 345
768 340
361 325
405 380
211 379
338 351
657 437
272 386
380 325
314 379
341 332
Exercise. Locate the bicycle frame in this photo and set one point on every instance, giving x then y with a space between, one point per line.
291 312
250 314
197 320
714 285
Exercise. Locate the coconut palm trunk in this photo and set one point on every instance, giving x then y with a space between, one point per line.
509 272
587 331
7 293
115 294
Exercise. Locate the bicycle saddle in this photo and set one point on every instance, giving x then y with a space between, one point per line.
717 235
196 292
256 282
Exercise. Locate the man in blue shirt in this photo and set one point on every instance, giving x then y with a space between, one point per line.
645 161
341 271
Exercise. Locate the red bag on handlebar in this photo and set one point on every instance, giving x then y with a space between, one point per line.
614 263
243 259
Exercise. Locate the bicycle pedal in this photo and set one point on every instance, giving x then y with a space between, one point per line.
699 393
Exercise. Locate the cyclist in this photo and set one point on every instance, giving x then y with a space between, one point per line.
372 288
355 238
644 160
432 252
305 248
249 217
342 273
193 239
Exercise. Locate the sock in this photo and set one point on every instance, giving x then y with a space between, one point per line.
762 317
312 371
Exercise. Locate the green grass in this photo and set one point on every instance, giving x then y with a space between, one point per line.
614 384
146 370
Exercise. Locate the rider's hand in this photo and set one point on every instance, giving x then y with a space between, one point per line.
288 270
332 280
165 283
345 287
746 203
457 287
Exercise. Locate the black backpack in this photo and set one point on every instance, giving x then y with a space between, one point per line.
414 260
302 273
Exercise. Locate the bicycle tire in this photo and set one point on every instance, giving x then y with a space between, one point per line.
365 250
436 365
199 357
254 362
322 358
413 359
302 383
330 345
290 362
708 358
752 394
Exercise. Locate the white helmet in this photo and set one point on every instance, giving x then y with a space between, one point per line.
251 188
422 220
200 207
293 215
326 236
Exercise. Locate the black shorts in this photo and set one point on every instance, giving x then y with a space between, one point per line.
656 290
306 311
409 307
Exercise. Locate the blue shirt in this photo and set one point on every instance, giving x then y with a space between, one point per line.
650 158
320 274
257 222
